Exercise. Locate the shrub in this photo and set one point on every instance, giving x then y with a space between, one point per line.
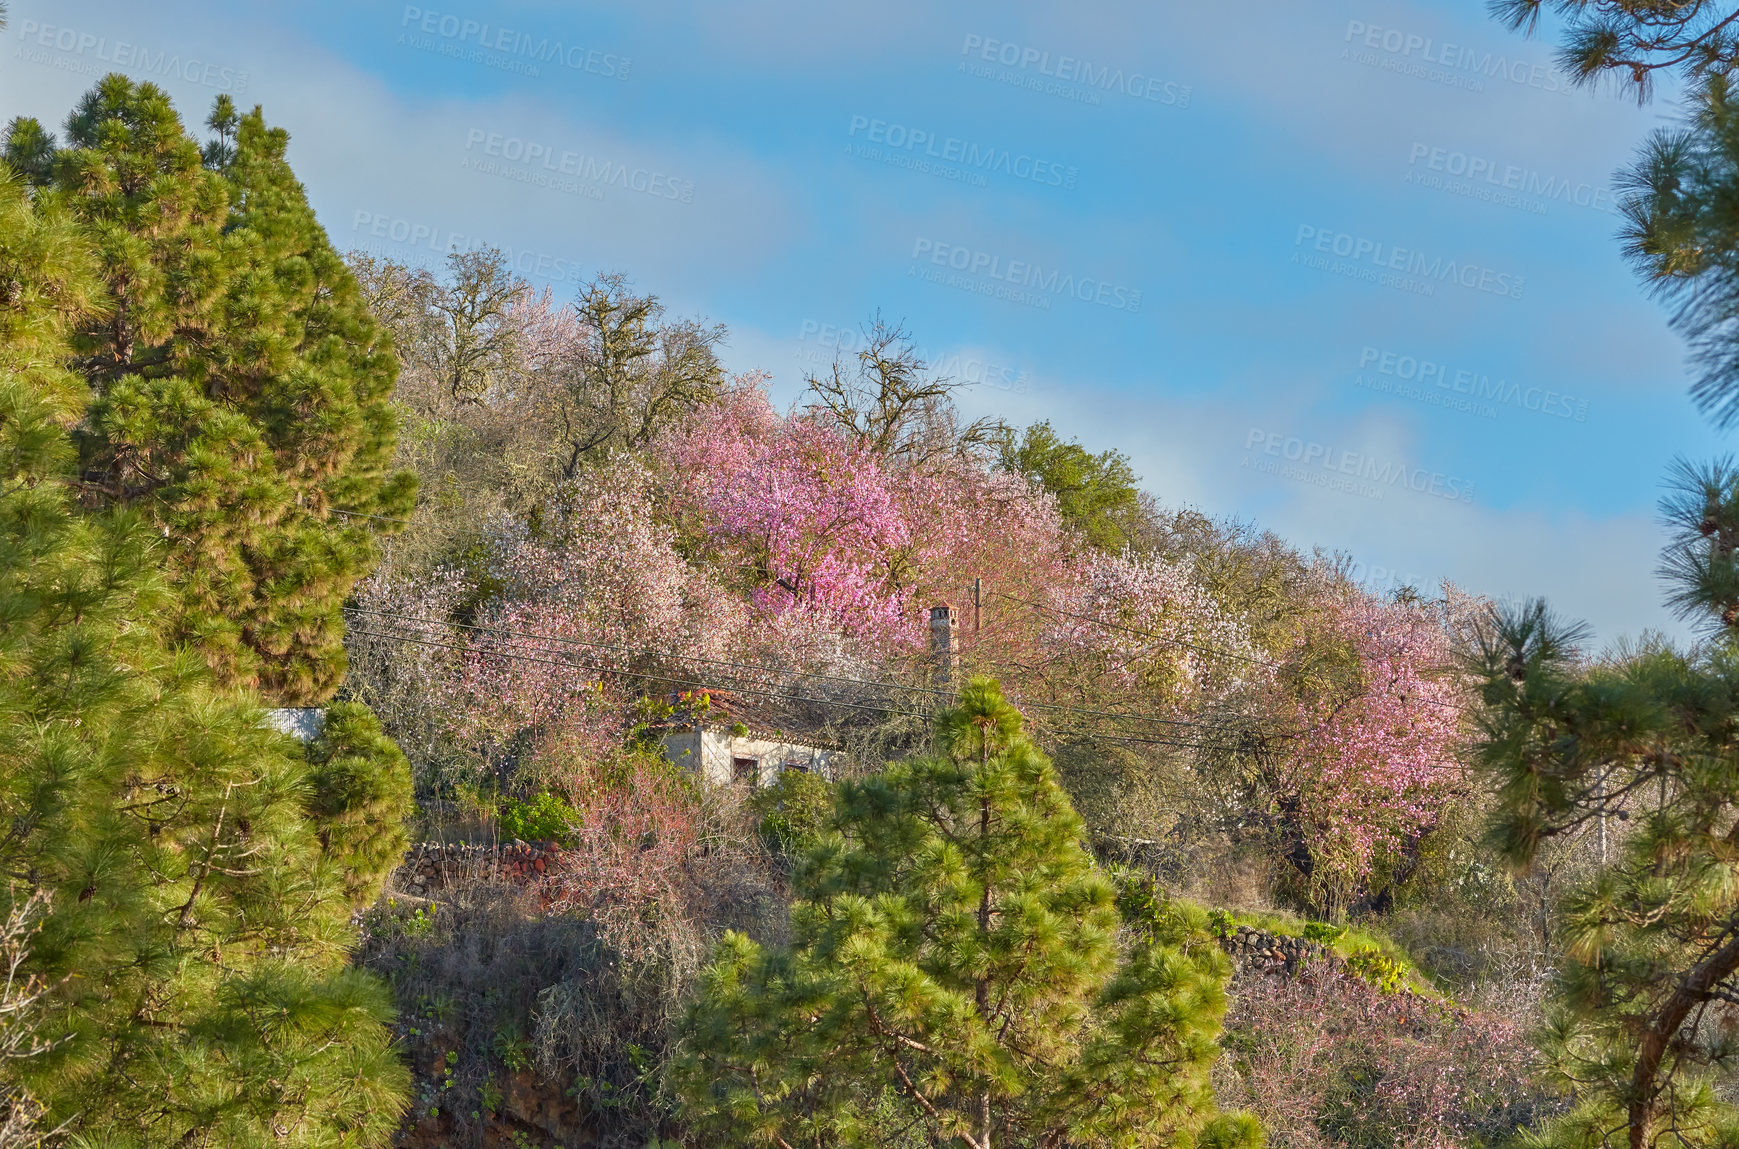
1377 969
1327 1059
360 795
546 818
793 811
568 990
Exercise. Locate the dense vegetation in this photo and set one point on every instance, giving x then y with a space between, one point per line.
1235 717
513 541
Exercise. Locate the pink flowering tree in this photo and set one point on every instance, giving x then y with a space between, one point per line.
807 521
1370 763
968 522
589 612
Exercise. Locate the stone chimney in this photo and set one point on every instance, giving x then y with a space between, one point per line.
945 642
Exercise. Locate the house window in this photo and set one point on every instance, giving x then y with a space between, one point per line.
745 771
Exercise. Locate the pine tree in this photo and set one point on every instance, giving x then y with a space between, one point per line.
361 790
958 973
1625 42
241 391
195 941
1639 748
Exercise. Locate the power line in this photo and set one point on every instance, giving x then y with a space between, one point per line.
758 668
1133 630
781 693
571 665
1178 642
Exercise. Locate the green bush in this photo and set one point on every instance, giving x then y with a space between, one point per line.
1373 967
359 796
546 818
794 810
1323 932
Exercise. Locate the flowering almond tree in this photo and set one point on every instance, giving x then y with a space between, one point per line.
1149 626
813 521
1366 772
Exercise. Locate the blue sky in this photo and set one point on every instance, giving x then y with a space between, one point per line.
1344 270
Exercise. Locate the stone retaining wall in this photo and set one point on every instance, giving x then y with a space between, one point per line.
1257 951
433 866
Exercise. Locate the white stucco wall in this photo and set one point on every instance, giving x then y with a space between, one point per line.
710 751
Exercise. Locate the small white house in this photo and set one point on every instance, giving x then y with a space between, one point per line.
724 755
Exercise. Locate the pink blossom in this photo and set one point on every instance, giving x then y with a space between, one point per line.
1149 624
810 522
1372 765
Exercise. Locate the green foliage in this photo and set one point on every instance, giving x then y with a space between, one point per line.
1372 966
240 390
1682 237
196 939
1278 922
1625 42
512 1048
1096 494
1154 918
652 717
359 800
546 818
1323 932
793 811
1638 745
957 956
